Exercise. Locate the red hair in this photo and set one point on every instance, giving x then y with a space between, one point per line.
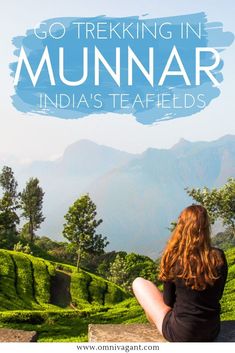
189 254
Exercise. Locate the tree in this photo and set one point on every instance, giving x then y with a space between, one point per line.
224 240
20 247
220 202
100 264
8 207
31 204
80 228
119 273
126 267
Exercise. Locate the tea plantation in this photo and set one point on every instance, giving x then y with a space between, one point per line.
228 300
59 302
56 300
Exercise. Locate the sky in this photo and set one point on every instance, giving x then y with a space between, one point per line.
25 138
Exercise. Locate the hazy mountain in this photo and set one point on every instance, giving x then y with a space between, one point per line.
65 179
142 197
137 195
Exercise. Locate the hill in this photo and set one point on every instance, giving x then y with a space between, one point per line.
30 283
136 195
56 300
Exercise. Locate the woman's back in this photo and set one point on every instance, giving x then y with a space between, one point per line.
196 313
194 275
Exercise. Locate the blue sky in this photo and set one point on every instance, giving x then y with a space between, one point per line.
26 138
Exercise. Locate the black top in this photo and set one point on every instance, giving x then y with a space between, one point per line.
195 315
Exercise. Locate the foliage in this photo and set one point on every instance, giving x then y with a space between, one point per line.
126 267
224 240
41 277
80 228
119 271
79 288
228 299
8 207
8 292
220 202
87 288
97 290
31 205
22 317
46 248
71 325
20 247
101 264
58 251
114 294
26 282
24 277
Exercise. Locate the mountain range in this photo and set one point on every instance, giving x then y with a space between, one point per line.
137 195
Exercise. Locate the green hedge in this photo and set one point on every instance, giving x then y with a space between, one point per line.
97 290
37 317
87 288
6 264
17 317
25 283
50 268
42 281
114 294
7 276
79 288
228 299
24 277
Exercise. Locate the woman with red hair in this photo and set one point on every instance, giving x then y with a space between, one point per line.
194 275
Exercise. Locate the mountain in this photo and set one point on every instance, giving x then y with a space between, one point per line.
63 180
136 195
142 197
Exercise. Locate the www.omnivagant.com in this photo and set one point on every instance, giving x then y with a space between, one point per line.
118 347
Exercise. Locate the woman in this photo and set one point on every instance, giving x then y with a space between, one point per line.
193 274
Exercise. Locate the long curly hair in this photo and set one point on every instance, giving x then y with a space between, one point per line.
189 254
